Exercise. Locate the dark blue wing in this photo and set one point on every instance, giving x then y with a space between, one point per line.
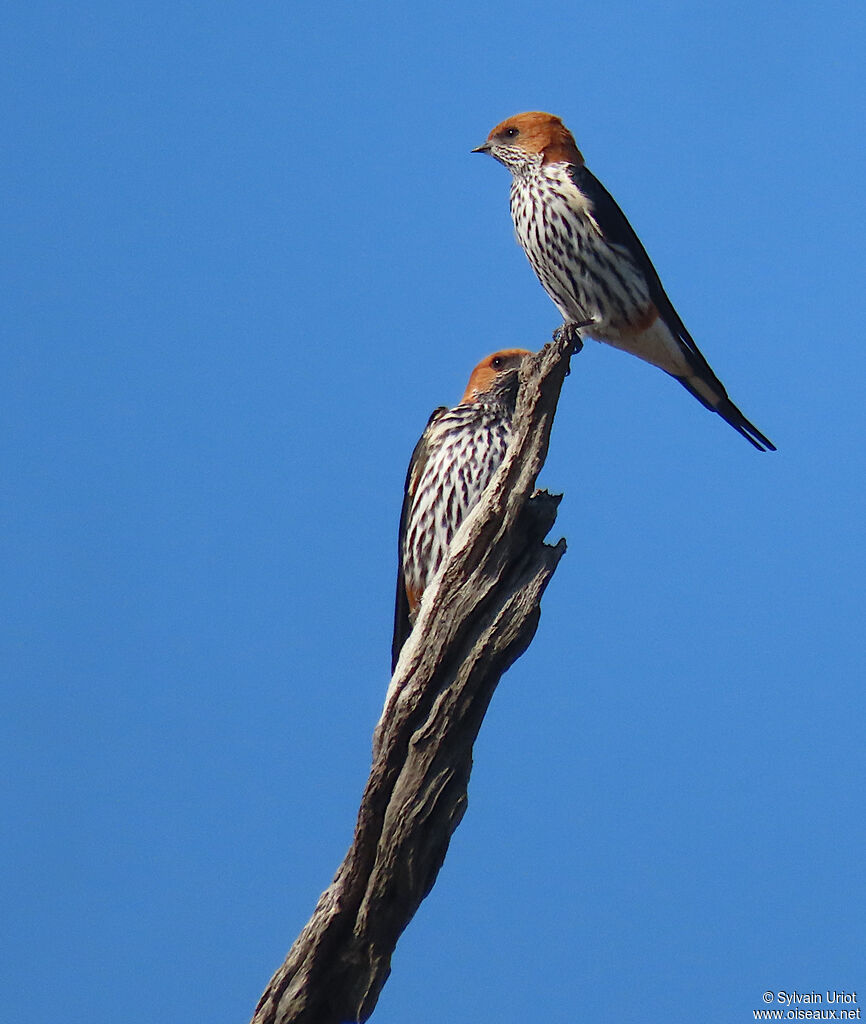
402 625
616 229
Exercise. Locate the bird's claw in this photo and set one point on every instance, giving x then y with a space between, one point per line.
570 333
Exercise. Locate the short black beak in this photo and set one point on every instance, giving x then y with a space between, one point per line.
483 148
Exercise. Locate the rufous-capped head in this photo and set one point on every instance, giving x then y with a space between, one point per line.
496 376
530 139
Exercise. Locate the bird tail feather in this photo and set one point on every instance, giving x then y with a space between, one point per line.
715 398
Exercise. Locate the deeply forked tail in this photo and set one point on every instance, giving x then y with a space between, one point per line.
714 397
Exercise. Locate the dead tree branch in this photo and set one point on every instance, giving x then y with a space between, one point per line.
476 619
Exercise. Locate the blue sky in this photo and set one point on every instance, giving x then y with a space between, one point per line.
247 252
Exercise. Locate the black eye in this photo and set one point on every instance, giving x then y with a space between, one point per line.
511 133
497 363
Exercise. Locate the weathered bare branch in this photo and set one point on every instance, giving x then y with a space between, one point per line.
475 620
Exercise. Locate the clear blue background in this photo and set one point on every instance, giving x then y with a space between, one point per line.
246 251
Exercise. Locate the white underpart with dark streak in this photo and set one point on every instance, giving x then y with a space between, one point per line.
586 275
465 449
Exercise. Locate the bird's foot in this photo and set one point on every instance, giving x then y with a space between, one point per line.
570 333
